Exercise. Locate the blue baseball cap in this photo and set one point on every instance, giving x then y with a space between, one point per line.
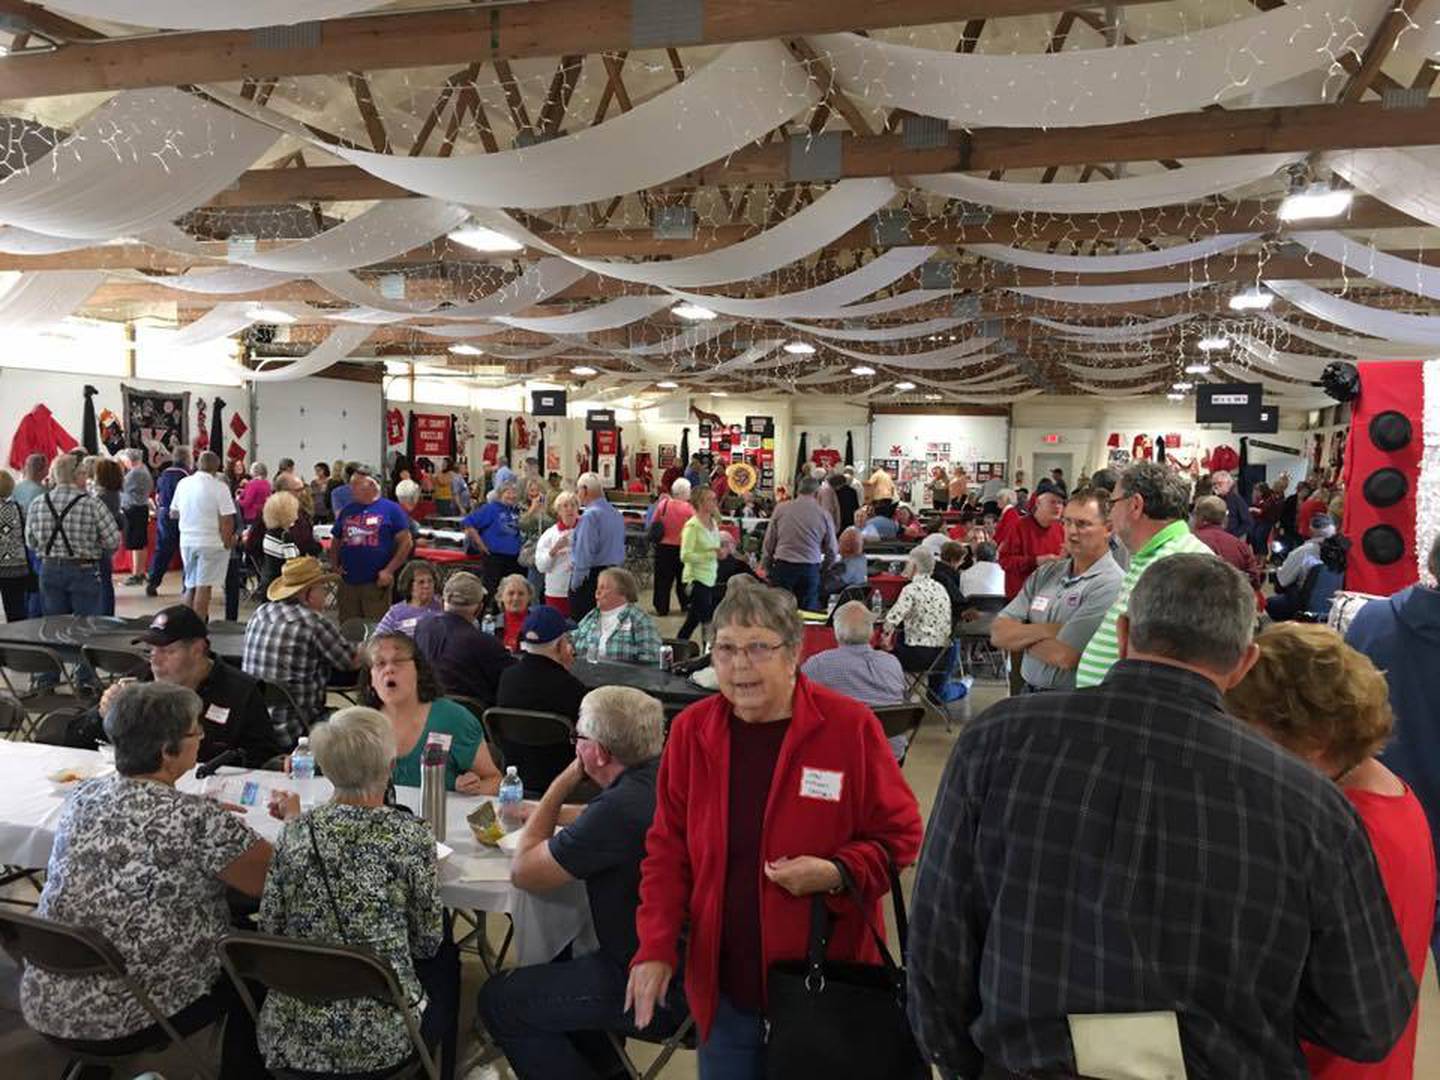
543 624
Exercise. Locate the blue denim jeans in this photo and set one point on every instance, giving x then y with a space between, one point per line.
107 583
551 1019
802 579
70 588
735 1049
167 543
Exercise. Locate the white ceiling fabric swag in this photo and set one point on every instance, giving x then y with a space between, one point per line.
1396 325
1136 331
1359 347
1113 264
341 341
1391 269
211 14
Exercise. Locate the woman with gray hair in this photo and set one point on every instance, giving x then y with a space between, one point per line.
616 628
921 613
670 512
148 866
515 595
771 792
357 872
493 530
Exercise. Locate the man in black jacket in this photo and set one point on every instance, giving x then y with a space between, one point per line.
467 661
542 682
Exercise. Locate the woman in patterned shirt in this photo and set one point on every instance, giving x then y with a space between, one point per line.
357 872
922 610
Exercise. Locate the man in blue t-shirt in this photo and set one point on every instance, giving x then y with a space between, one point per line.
551 1019
493 530
369 543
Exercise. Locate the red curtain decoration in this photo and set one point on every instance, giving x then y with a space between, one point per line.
1382 472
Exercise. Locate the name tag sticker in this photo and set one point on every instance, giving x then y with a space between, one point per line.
1127 1046
217 713
1040 604
824 784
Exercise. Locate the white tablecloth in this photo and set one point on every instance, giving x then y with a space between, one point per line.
473 877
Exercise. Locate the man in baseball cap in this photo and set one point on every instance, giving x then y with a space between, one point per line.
234 716
542 680
467 661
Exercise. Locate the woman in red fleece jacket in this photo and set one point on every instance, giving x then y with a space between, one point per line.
770 792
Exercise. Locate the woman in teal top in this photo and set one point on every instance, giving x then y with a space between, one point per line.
400 683
699 560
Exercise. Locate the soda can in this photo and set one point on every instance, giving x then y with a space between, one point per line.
667 657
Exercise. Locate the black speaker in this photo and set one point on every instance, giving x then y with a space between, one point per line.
547 402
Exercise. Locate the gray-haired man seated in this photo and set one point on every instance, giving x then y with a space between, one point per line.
551 1019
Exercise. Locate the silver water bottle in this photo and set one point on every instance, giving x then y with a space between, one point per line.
432 785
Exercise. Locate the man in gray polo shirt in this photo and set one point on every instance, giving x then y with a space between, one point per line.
1063 602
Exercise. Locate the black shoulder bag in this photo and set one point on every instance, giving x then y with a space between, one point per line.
837 1018
655 531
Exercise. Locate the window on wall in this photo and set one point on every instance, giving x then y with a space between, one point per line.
157 359
75 346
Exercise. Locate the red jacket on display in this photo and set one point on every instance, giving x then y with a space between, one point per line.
837 793
1024 542
38 433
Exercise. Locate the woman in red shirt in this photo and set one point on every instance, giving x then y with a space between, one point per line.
770 792
1326 703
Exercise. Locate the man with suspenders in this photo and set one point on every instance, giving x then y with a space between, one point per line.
70 531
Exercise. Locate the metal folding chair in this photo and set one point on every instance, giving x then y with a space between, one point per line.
81 951
684 1038
111 665
901 721
520 733
34 661
319 974
279 696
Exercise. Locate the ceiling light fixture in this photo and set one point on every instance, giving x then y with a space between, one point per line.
584 371
904 386
1316 201
1213 343
668 385
719 393
467 350
272 315
1182 386
479 238
1175 397
934 397
799 348
862 369
1197 369
1252 300
693 312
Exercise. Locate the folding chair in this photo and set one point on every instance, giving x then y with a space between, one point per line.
355 630
80 951
35 660
919 687
318 974
684 1038
974 636
685 649
54 727
111 665
901 721
279 696
523 735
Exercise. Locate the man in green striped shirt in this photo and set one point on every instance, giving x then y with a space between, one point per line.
1148 510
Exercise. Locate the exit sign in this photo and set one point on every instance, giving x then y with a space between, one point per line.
1050 440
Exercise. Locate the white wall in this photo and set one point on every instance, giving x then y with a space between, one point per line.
971 438
827 419
62 393
318 419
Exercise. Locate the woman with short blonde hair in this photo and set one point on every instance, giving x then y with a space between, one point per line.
1326 703
552 552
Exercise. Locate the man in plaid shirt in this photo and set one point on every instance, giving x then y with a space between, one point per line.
1127 872
70 531
288 641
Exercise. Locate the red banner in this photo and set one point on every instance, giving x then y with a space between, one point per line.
605 441
432 435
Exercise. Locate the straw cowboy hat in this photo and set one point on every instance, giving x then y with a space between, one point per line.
297 575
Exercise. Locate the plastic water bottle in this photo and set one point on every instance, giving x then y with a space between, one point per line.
488 624
432 784
302 760
512 791
877 603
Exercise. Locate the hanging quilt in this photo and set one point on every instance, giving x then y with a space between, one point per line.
156 422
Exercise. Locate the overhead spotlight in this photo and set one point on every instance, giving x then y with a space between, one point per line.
467 350
862 369
272 315
693 312
1175 397
1252 300
1214 343
668 385
904 386
1197 369
1316 201
1182 386
584 371
719 393
479 238
934 397
799 348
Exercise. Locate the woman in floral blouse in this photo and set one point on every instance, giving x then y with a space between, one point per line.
923 611
357 872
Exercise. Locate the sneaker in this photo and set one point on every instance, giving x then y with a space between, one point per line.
151 590
136 579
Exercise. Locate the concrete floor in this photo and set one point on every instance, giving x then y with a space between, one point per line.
23 1056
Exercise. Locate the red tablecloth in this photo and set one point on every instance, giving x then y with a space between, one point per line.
450 556
889 586
123 564
817 639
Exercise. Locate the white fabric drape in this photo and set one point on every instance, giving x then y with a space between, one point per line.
1197 180
938 359
692 337
16 241
41 298
1407 179
336 347
1402 273
1421 329
747 359
1292 365
1121 391
1136 331
605 316
1113 264
347 286
222 320
883 270
368 316
748 90
140 160
829 217
1106 294
1245 373
210 15
504 352
1361 348
1079 87
461 331
883 306
900 332
389 228
539 282
223 281
1119 374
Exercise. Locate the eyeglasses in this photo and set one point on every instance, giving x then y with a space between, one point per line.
757 652
576 738
1079 523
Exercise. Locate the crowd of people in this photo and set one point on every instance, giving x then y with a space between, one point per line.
1178 841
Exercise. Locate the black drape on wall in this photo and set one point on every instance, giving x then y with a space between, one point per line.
217 430
684 448
540 448
454 438
509 423
90 431
619 460
802 455
849 448
595 452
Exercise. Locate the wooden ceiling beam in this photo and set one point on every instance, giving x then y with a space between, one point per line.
1213 133
453 35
